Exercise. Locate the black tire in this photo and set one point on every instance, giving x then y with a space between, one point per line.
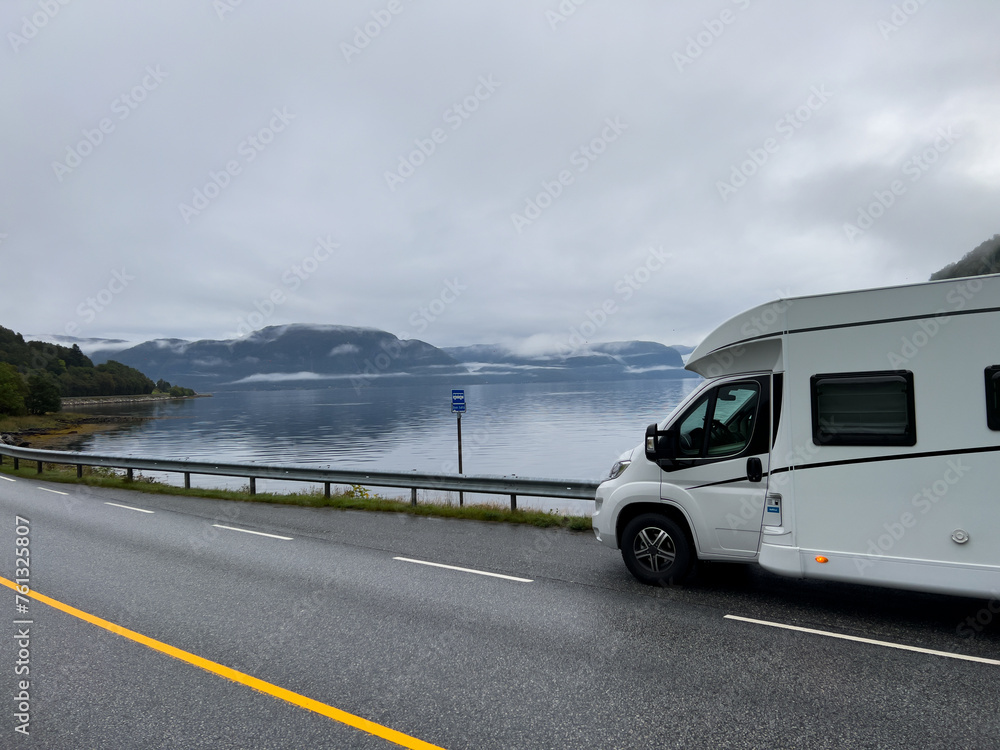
656 550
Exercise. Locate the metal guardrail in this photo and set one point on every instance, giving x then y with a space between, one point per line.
482 484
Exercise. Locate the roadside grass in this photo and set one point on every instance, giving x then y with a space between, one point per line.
38 422
352 498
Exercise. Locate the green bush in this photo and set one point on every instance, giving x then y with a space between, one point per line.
13 391
43 394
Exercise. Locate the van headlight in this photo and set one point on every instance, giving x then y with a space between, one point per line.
618 469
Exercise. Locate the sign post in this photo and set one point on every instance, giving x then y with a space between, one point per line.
458 406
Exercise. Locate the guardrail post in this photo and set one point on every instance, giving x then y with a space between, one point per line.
413 496
253 485
79 471
187 480
513 502
39 467
129 476
17 463
326 490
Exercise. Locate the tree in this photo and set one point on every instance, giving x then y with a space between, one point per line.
70 369
982 260
43 394
125 380
13 390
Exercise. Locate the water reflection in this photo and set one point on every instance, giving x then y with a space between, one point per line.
526 430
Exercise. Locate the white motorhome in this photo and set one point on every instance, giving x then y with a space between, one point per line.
851 437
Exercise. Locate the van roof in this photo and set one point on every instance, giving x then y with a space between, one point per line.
844 309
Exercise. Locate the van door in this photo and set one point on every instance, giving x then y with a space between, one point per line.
719 473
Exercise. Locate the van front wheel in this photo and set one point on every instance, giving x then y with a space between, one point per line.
656 550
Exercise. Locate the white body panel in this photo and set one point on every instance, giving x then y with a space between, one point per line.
880 514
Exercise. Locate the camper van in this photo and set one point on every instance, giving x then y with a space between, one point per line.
850 437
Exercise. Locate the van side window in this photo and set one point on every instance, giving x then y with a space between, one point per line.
866 408
691 433
733 420
720 423
993 397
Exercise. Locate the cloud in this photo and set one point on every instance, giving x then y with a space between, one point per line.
344 349
283 377
281 145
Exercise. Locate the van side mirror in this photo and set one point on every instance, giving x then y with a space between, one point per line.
660 445
651 442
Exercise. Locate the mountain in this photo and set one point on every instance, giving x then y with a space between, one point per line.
310 356
283 356
982 260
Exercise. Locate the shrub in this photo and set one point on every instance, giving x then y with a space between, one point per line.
13 391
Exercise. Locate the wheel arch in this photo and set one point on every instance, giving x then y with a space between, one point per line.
672 512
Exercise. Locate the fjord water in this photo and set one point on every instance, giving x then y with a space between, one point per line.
552 430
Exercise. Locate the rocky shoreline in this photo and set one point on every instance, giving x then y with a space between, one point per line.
100 400
61 429
67 430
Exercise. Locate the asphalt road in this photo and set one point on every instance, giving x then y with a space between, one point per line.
580 656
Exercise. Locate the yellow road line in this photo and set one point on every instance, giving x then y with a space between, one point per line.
244 679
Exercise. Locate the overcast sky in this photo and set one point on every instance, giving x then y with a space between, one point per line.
465 172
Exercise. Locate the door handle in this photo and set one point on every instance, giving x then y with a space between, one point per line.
755 470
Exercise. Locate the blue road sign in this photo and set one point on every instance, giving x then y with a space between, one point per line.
458 401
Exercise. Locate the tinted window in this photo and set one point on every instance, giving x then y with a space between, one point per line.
691 434
720 423
993 397
733 419
874 408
